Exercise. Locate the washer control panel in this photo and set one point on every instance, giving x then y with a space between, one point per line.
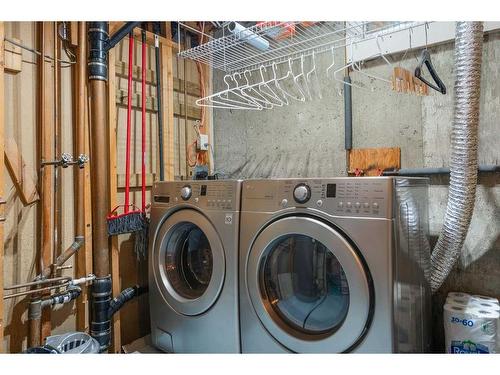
343 196
216 195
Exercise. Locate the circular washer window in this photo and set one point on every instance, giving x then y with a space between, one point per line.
305 284
188 260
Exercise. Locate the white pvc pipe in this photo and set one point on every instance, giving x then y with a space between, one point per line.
248 36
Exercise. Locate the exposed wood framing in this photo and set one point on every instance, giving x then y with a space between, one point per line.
23 178
115 255
83 213
13 57
168 109
135 180
46 141
2 119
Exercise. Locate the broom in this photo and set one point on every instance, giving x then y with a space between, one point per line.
141 238
129 221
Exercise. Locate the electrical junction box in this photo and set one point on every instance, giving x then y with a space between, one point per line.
202 142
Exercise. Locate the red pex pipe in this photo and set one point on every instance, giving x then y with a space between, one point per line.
129 121
143 171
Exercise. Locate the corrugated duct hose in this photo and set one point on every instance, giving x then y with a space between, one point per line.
463 164
464 140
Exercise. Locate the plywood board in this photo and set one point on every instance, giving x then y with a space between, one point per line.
22 175
372 161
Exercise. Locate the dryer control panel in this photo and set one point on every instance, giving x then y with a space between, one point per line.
343 196
216 194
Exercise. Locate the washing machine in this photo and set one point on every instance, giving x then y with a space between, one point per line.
193 284
334 265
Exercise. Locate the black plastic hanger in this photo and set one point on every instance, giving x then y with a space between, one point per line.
425 58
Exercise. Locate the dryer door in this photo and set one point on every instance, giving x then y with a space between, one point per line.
309 286
188 262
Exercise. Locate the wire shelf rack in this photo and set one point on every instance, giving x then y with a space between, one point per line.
237 47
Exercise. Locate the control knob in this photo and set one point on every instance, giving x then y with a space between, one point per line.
302 193
186 192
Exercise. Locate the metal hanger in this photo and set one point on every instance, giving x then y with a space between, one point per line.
335 72
295 81
265 84
425 58
356 66
221 99
249 89
313 71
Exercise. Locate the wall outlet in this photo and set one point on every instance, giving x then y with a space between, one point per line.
202 142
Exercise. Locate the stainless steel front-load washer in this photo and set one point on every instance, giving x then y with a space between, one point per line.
334 265
193 266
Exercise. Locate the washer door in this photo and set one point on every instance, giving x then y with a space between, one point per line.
188 262
309 286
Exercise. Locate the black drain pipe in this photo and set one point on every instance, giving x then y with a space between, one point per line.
99 45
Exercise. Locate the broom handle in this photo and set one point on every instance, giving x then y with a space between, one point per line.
129 120
143 122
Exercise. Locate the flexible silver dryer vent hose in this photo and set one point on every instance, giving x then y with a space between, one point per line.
464 140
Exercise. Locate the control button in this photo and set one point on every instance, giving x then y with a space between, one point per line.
357 205
349 204
375 205
186 192
319 203
302 193
196 199
366 205
284 203
340 204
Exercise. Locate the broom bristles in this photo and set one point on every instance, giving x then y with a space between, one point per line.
128 223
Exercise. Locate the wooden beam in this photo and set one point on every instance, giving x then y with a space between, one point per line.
121 97
83 211
168 109
135 180
2 120
23 178
47 152
13 59
115 255
150 37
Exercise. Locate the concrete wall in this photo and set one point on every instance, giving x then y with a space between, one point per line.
307 139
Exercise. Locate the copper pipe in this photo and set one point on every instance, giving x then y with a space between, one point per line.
37 282
35 326
61 259
36 291
100 176
80 129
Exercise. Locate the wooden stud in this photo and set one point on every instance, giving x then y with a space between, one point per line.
168 109
13 59
2 119
46 126
82 219
23 178
115 255
135 180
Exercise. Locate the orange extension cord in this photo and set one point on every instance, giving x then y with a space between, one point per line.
200 157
